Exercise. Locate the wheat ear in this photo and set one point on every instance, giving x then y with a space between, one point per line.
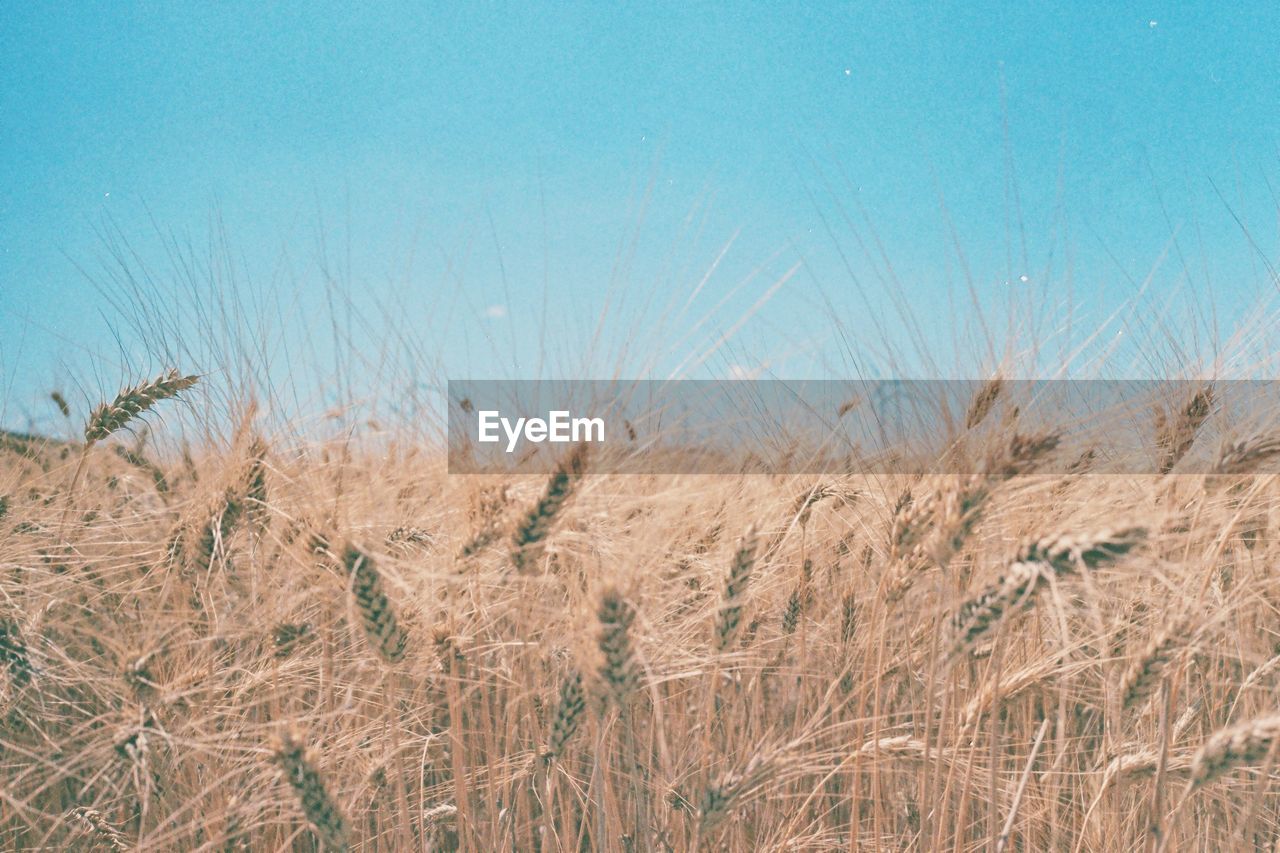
376 613
1144 674
92 825
1139 763
1174 438
527 543
1243 455
618 671
1247 743
110 417
568 715
1029 571
13 653
729 616
983 402
131 402
299 771
729 790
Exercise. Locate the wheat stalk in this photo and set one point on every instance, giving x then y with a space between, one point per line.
287 636
1014 683
236 839
1023 453
807 500
61 402
1144 761
791 615
255 492
953 515
848 618
406 539
902 747
217 529
110 417
1243 455
911 521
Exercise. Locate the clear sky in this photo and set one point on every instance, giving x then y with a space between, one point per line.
490 181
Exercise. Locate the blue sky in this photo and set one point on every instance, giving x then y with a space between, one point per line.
488 182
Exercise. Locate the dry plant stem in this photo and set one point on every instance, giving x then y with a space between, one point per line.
876 790
391 728
1210 560
928 779
600 788
938 773
71 491
1156 820
635 774
997 726
550 838
1003 840
457 725
967 782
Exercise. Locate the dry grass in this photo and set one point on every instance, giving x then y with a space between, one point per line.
278 645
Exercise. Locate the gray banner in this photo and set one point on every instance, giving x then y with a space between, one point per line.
862 426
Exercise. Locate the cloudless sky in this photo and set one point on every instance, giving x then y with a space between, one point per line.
492 178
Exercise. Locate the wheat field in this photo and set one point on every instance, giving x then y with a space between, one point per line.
264 643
